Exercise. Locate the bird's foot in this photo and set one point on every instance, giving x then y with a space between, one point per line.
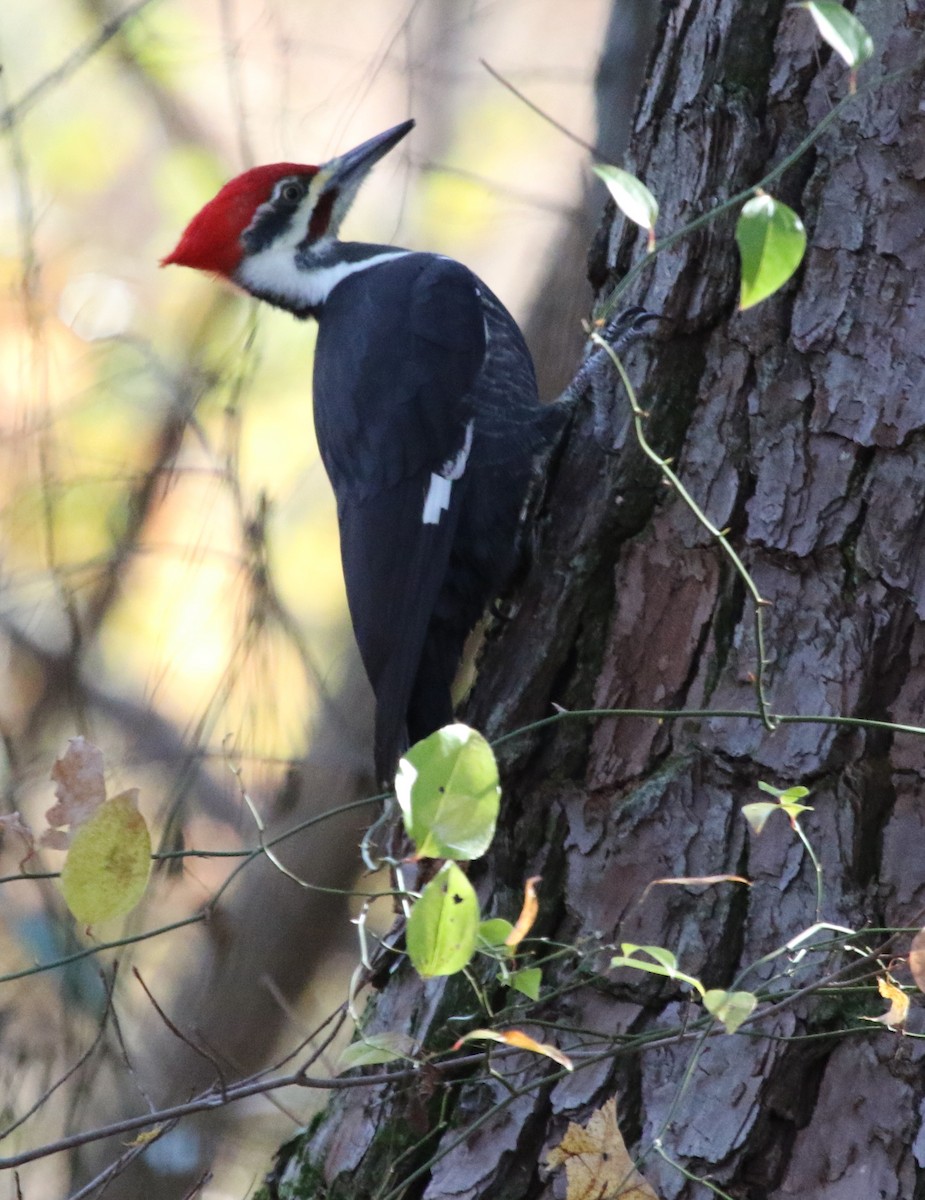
621 332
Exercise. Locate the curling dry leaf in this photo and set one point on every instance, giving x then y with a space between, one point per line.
895 1016
597 1165
79 792
517 1037
528 913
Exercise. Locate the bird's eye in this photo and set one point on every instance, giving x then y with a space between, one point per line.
291 193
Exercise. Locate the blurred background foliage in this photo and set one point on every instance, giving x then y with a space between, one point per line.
170 583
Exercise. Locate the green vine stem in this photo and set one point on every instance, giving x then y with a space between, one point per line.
639 417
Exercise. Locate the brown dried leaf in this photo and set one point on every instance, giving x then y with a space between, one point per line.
597 1165
690 880
80 790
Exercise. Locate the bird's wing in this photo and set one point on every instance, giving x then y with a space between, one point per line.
399 350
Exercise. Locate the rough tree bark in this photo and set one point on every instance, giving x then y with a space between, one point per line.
799 427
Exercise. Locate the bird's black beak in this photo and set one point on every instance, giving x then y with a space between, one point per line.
347 170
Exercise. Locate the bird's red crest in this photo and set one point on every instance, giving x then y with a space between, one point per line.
212 240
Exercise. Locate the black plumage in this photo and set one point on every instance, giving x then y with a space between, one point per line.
416 360
426 415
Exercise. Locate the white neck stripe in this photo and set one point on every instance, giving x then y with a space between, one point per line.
274 275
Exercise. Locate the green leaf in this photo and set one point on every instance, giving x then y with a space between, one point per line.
787 801
663 956
791 793
107 866
447 787
665 963
528 981
659 953
842 30
630 195
771 241
757 814
494 933
443 927
376 1049
731 1008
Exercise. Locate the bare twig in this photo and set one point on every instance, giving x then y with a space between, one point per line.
109 985
121 1163
74 61
573 137
178 1033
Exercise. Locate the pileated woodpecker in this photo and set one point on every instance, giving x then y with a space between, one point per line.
426 413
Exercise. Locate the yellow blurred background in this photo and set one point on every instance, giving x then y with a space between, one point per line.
170 582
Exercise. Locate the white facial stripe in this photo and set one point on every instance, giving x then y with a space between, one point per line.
288 242
275 274
298 225
437 500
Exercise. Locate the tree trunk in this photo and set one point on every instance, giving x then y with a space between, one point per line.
798 427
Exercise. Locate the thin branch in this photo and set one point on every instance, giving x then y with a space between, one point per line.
676 714
573 137
120 1164
89 951
717 534
109 985
180 1035
212 1099
447 1068
74 61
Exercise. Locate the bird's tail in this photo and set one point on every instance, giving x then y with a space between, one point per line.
430 704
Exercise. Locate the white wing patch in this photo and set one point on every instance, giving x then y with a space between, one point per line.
437 500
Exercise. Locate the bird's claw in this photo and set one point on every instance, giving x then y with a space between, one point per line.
619 333
627 327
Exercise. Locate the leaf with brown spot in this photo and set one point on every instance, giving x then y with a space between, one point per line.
108 863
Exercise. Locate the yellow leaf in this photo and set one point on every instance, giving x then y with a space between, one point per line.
107 867
516 1037
146 1136
597 1165
531 906
895 1017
